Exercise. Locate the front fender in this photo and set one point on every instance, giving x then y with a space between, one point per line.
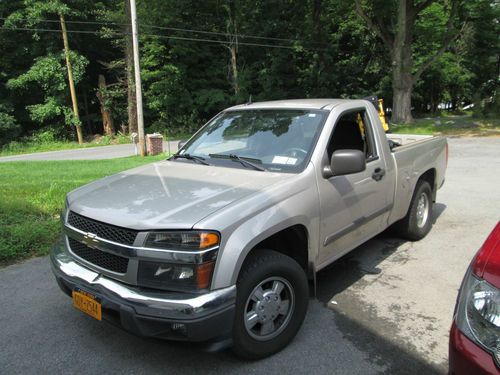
245 223
249 234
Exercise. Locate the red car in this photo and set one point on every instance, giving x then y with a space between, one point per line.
475 332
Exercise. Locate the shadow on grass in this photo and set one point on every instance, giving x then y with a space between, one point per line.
25 231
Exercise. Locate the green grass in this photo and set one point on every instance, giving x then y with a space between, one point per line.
28 146
32 145
451 125
184 136
32 196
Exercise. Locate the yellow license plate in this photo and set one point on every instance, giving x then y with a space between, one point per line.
87 303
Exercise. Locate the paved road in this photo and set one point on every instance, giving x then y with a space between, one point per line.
101 152
384 308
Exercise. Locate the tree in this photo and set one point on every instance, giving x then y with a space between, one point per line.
71 80
200 57
48 73
9 128
107 118
399 40
482 56
31 14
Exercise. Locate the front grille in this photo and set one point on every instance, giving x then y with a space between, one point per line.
100 258
105 231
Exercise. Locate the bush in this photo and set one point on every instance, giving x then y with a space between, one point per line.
9 128
43 136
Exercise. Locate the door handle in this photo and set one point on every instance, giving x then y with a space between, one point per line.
378 174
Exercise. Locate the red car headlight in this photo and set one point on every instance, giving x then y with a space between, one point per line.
478 313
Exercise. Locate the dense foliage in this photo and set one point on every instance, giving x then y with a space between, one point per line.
199 57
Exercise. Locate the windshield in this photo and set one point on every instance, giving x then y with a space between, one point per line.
276 139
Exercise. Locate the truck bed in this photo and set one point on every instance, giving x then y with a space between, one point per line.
416 155
404 139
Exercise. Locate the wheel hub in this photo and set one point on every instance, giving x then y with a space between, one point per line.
269 307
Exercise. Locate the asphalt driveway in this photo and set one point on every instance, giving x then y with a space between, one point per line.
384 308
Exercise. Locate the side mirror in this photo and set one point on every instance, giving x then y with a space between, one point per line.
345 162
181 144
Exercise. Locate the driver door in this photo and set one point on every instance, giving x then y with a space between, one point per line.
354 207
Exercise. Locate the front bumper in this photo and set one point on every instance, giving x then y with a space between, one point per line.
465 357
146 312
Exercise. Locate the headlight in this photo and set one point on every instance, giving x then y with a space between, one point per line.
478 313
175 276
192 262
182 240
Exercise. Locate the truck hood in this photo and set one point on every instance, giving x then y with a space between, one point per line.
167 195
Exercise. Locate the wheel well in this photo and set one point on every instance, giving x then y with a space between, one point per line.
292 242
430 177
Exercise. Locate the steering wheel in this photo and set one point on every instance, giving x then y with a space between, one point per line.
294 151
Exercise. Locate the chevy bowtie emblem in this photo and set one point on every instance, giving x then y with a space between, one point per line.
90 239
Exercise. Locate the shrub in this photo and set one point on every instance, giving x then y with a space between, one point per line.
9 128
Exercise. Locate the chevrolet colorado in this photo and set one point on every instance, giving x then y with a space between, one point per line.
221 239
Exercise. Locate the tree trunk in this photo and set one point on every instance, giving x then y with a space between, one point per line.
70 80
402 87
234 67
107 119
129 59
402 79
88 127
232 31
316 18
401 109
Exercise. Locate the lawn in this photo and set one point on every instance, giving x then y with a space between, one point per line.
32 145
39 144
451 125
32 197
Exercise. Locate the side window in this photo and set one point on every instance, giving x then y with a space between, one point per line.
352 131
368 136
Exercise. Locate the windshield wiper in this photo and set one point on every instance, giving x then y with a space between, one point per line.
199 159
243 160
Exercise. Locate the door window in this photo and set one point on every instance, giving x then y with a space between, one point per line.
353 131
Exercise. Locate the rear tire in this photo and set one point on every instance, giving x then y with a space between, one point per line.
271 303
418 221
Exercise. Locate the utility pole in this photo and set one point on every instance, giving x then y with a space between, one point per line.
70 79
138 86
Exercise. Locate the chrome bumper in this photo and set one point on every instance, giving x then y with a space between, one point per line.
166 305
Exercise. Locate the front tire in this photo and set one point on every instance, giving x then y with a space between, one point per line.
418 221
271 303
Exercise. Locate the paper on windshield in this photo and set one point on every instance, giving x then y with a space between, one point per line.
284 160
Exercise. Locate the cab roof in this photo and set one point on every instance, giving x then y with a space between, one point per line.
327 104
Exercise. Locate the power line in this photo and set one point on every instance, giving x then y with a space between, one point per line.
48 30
243 36
218 41
213 41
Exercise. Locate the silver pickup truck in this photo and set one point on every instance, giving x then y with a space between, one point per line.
221 240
